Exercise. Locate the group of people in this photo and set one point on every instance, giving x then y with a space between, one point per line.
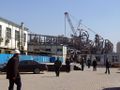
13 75
94 64
58 65
89 63
12 70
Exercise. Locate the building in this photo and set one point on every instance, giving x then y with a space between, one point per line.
12 36
118 47
112 57
49 50
46 45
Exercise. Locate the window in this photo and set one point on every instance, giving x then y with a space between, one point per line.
8 33
116 58
7 52
24 37
48 49
17 35
23 62
59 50
113 59
0 30
0 51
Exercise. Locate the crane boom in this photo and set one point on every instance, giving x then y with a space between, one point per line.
70 23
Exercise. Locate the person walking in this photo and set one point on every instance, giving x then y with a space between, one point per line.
107 64
57 66
94 65
67 62
89 62
82 63
12 72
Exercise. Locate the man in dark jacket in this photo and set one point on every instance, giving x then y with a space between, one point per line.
67 62
57 66
13 72
89 62
94 65
82 63
107 64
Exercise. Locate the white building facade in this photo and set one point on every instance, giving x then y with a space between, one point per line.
12 36
57 50
118 47
54 50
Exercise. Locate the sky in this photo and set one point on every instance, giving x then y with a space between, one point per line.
47 16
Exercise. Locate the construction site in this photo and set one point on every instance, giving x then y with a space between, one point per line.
78 44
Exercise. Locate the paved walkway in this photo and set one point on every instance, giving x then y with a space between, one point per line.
75 80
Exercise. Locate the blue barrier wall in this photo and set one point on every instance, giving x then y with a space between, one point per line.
4 58
41 59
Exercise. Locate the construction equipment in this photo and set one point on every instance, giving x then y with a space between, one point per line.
70 23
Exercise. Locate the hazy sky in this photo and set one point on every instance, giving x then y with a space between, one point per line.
47 16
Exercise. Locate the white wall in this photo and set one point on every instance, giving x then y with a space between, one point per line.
11 44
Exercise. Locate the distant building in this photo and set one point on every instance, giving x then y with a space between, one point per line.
118 47
46 45
112 57
12 36
52 50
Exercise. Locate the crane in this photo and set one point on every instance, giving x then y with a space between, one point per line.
70 23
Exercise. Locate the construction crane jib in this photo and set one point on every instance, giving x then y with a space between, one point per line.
70 23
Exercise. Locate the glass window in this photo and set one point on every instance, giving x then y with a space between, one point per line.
0 30
17 35
23 62
116 58
7 52
113 59
24 37
8 33
48 49
59 50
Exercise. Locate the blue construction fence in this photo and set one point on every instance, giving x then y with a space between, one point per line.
41 59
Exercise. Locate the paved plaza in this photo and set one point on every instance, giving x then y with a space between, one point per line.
75 80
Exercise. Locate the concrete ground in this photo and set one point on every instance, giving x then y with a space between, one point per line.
75 80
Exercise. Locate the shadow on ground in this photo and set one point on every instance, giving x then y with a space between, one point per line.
101 73
117 72
112 88
26 73
48 76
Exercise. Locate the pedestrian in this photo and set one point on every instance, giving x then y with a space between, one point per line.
67 64
12 72
89 62
107 64
75 58
94 65
82 63
57 66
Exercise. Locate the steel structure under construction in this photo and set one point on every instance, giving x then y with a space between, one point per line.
79 43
